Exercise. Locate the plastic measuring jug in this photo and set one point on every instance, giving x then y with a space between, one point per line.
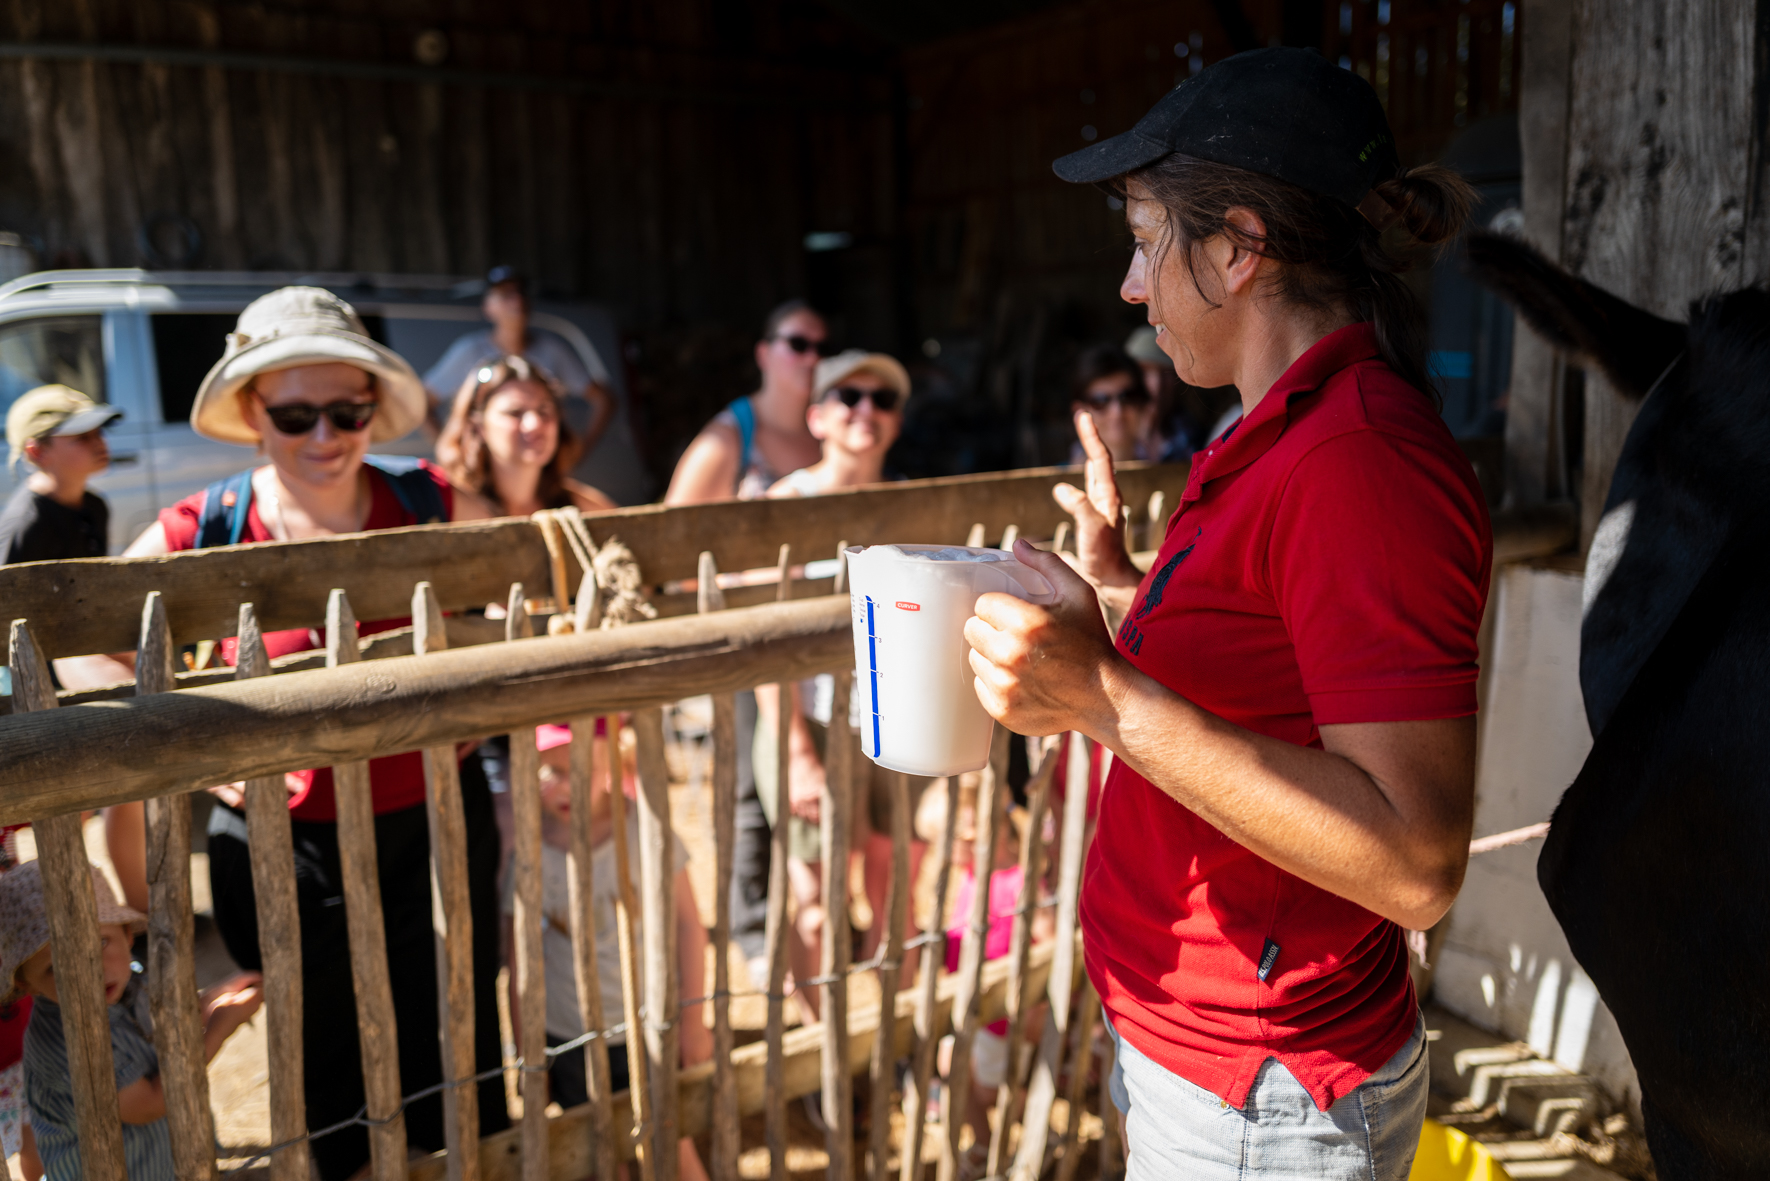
913 679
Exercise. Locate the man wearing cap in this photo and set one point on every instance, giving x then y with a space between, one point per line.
302 382
60 432
1290 697
589 406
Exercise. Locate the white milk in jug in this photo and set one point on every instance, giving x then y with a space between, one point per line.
913 679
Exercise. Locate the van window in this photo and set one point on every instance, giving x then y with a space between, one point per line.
186 347
65 350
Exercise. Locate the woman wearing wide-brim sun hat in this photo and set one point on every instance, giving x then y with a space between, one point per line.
1291 693
303 383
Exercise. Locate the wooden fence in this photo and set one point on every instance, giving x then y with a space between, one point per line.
443 680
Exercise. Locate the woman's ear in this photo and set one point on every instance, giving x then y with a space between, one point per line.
1242 228
814 421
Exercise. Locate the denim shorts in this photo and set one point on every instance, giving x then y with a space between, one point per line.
1175 1128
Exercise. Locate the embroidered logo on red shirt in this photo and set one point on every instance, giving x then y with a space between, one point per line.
1130 635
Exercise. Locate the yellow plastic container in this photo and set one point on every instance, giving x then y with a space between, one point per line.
1449 1155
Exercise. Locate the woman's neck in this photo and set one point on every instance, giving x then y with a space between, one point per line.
510 337
518 487
780 409
846 469
298 509
1273 338
64 490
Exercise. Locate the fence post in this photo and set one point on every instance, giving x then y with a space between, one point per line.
172 972
725 1141
663 988
272 847
992 797
891 955
1042 1092
1083 1037
774 1081
357 858
452 917
833 820
580 885
73 932
527 921
626 905
915 1095
1032 848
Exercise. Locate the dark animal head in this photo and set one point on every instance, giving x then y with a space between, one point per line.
1694 473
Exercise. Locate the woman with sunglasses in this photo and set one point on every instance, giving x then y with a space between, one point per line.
1109 385
303 383
508 441
1290 692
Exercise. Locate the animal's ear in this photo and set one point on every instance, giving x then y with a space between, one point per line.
1633 347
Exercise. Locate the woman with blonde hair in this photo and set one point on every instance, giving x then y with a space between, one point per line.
507 440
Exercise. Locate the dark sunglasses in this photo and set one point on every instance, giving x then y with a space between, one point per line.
298 418
1134 397
883 400
803 344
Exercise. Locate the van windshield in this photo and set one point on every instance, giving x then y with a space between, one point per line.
65 350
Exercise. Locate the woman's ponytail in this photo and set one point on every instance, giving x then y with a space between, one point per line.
1431 201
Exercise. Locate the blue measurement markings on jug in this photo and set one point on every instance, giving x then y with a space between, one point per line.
873 672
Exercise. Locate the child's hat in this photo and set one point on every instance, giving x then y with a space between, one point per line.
24 920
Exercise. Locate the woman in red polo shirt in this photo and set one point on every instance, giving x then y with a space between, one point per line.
1291 692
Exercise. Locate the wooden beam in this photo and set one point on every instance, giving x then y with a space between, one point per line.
89 756
68 896
501 1154
172 966
76 606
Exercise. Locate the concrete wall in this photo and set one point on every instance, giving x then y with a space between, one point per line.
1504 964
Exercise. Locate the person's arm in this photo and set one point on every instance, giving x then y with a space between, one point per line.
142 1101
602 405
805 787
708 470
125 839
588 499
226 1007
691 955
1381 816
92 672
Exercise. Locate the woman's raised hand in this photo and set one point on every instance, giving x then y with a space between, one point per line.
1098 511
1043 669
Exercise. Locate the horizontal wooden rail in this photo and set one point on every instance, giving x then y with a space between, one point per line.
93 604
109 752
570 1144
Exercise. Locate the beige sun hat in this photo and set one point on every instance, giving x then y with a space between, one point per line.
24 919
303 326
832 371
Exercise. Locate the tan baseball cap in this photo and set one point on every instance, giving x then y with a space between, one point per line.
832 371
24 920
294 326
51 410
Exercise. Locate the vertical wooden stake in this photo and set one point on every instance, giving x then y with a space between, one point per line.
451 915
1042 1091
774 1098
663 987
272 845
974 539
580 882
992 798
1009 536
833 820
376 1027
915 1096
626 909
172 968
1152 537
1032 848
1061 538
725 1141
528 921
73 932
1086 1012
890 977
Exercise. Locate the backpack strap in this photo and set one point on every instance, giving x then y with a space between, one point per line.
746 424
412 486
225 505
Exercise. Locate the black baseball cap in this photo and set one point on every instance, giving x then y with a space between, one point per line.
1286 113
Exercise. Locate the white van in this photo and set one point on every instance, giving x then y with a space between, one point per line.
143 340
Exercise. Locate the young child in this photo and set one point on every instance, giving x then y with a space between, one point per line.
567 1072
990 1051
60 432
27 961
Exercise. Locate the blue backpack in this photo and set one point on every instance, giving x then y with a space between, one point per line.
226 502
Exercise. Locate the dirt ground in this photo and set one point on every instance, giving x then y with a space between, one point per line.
239 1075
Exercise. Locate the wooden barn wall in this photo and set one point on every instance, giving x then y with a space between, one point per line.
665 159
